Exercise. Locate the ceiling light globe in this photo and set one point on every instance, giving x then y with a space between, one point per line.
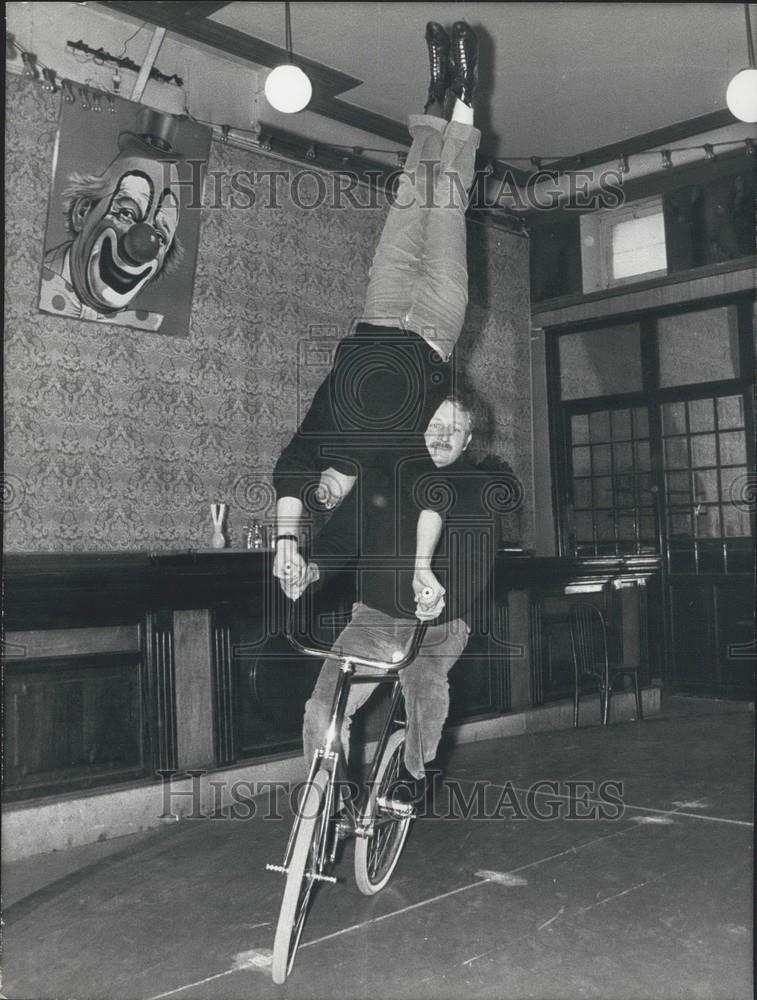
741 96
288 89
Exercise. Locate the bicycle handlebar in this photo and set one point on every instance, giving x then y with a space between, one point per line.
363 661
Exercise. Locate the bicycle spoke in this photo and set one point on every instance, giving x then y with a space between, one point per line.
377 853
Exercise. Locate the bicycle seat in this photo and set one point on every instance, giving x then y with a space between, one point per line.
400 658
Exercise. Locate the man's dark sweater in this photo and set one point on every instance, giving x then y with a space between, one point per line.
380 544
383 388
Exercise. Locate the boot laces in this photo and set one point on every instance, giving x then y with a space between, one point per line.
462 57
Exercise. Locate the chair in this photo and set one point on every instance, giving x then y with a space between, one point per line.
588 636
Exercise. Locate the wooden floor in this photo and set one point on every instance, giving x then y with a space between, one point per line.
500 894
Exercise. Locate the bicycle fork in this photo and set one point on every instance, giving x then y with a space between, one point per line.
330 756
320 859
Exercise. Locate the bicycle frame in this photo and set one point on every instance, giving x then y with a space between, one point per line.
381 828
331 755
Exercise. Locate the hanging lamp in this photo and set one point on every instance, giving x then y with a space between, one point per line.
287 87
741 96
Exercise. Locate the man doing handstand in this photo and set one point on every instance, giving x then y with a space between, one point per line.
390 376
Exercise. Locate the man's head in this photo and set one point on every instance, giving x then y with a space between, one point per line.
124 223
449 431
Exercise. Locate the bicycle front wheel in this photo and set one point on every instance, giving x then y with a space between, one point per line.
299 884
377 853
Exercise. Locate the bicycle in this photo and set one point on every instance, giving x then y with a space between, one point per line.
324 817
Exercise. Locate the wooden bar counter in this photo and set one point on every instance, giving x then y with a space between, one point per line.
119 665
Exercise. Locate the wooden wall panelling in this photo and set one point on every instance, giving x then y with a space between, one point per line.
40 643
537 650
515 632
72 721
206 678
556 258
193 686
224 633
735 646
160 701
475 680
501 648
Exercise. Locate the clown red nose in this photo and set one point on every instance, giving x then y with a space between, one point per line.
140 244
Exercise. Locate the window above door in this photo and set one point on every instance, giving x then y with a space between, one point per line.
623 245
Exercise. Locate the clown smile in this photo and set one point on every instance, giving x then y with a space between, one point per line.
111 279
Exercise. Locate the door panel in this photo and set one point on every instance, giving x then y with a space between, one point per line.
691 627
707 533
734 619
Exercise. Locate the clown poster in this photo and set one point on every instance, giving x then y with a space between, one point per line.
124 217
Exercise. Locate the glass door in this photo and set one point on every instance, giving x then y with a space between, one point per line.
705 471
613 510
653 442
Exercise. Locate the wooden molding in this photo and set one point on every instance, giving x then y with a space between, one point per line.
667 135
660 182
38 644
743 267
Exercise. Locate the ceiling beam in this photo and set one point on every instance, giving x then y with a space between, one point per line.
327 82
360 118
147 64
179 9
232 42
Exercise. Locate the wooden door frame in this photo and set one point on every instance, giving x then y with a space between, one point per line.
651 396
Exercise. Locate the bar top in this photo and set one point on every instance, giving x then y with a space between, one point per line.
59 590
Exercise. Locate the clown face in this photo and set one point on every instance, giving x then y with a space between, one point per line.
122 238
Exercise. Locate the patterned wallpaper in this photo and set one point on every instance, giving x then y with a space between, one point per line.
117 439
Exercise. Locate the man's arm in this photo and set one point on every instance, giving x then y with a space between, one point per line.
429 593
304 458
469 527
334 551
301 467
288 563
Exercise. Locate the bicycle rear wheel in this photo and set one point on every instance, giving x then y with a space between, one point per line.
377 854
299 883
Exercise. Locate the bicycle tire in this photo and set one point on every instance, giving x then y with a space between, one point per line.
376 855
299 885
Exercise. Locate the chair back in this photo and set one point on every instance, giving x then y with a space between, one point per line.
588 637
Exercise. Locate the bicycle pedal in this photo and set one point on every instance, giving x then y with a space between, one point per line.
277 868
345 828
321 878
396 808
